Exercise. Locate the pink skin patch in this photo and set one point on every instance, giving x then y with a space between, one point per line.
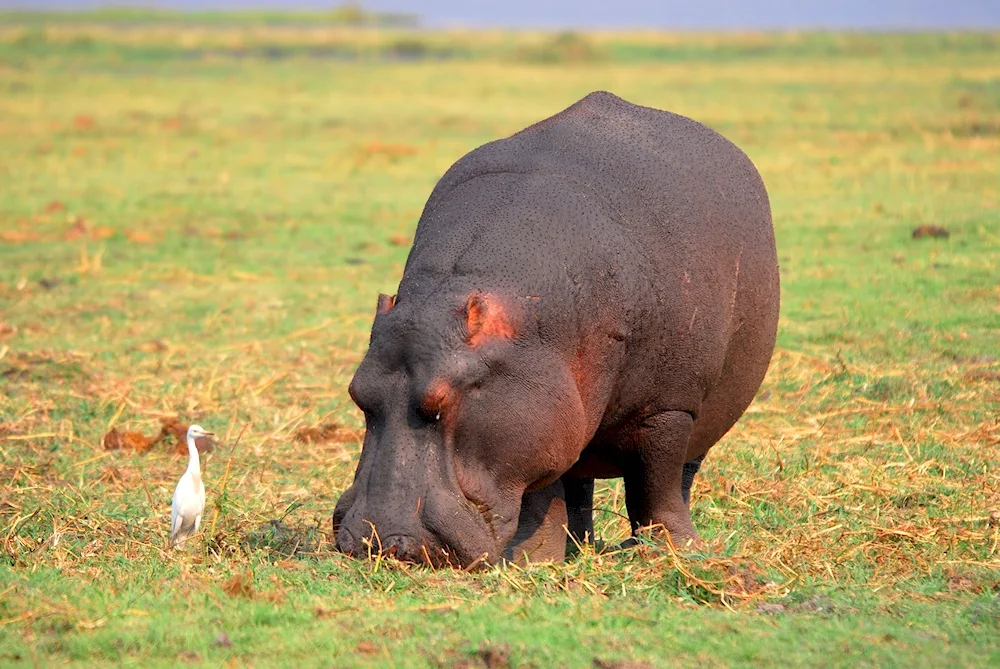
439 398
385 303
486 318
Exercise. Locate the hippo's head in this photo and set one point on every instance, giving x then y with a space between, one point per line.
465 408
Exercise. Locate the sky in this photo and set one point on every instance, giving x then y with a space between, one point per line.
668 14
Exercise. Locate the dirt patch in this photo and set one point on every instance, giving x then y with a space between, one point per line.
489 656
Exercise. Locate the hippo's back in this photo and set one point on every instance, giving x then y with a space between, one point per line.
666 178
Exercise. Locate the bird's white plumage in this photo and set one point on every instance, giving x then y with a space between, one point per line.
189 496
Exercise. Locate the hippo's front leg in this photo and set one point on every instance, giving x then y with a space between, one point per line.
541 527
654 482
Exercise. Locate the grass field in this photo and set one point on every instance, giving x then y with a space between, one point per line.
194 228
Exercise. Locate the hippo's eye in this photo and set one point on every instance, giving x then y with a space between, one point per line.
429 414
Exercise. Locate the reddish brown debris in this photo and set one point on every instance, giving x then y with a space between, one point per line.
317 434
174 428
392 150
239 585
129 441
139 236
929 231
366 647
78 229
99 233
623 664
83 122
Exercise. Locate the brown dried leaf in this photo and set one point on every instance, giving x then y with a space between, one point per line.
131 441
19 236
84 122
366 647
98 234
400 240
78 229
240 585
155 346
624 664
174 428
317 434
54 206
391 150
929 231
139 236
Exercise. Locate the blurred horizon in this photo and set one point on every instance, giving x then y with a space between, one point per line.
627 14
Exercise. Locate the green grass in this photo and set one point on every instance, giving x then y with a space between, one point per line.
239 216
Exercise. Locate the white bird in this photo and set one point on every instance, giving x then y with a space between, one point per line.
189 495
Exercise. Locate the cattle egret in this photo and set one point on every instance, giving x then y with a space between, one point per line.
189 496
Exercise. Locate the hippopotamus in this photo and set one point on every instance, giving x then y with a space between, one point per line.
593 297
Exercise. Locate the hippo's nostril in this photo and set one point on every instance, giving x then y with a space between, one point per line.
402 547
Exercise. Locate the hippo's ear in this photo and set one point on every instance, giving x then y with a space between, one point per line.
385 303
486 317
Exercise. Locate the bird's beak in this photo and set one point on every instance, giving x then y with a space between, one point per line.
208 434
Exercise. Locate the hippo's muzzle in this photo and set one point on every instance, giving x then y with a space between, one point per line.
441 529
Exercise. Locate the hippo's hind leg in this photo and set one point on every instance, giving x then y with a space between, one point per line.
655 477
580 512
687 478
